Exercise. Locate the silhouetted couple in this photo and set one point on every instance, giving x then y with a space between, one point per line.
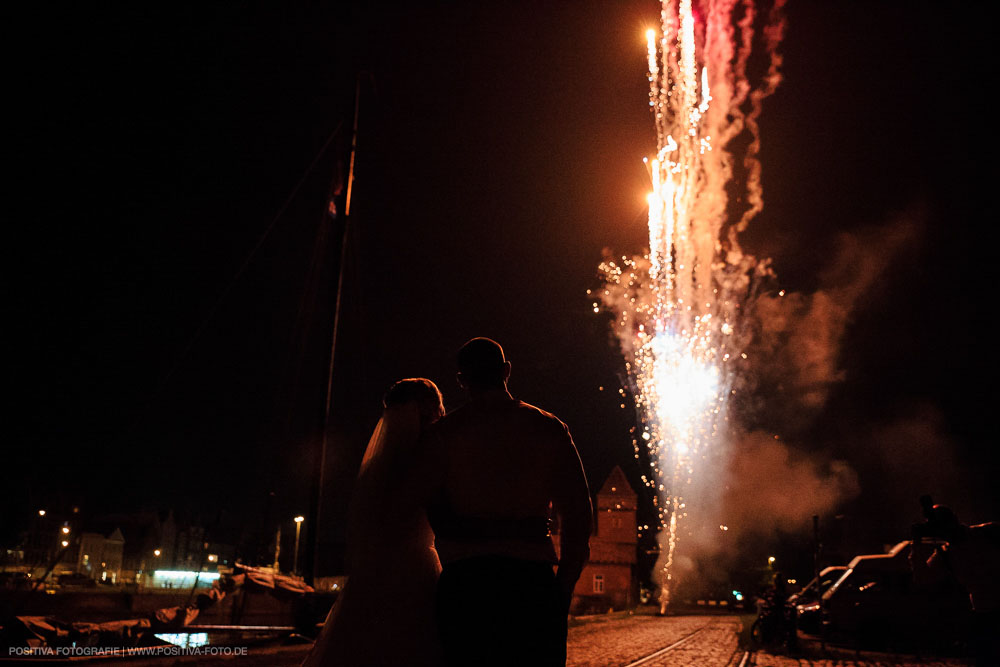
449 553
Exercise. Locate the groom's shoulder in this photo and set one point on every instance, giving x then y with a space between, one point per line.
522 412
542 417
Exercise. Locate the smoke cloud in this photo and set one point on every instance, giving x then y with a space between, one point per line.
776 487
795 356
912 454
775 471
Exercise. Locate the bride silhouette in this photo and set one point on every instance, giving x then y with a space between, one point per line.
385 615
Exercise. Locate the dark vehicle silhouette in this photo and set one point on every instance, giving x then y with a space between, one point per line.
76 579
875 602
807 601
14 580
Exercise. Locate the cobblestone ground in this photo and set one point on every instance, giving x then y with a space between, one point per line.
621 641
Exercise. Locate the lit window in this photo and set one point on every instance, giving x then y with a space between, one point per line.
598 583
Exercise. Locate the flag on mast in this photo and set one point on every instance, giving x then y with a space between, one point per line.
336 189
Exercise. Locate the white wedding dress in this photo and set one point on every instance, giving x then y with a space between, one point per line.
385 615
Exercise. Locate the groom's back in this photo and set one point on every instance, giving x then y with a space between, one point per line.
489 473
503 462
502 457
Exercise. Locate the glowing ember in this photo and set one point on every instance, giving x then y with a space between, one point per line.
678 309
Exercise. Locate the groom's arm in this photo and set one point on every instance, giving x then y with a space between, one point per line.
571 501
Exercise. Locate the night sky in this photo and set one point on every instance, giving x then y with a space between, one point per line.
500 149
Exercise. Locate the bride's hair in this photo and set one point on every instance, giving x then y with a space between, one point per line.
403 425
419 390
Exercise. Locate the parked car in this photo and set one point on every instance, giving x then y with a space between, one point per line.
875 602
76 579
14 580
807 601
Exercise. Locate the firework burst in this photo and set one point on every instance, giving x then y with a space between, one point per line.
680 309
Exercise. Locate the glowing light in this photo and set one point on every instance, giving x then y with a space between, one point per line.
64 543
185 639
180 575
677 309
41 512
684 385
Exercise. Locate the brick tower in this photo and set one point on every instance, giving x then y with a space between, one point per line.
609 579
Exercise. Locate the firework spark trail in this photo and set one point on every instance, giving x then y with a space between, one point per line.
679 309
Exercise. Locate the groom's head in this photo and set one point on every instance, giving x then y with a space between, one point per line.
481 365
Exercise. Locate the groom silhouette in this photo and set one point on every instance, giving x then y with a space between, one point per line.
493 470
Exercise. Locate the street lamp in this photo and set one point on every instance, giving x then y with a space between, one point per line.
298 529
41 512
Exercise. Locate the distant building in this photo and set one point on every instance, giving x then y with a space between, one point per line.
188 548
119 548
609 580
149 541
39 543
97 556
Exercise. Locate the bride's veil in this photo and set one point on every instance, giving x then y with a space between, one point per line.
375 502
383 522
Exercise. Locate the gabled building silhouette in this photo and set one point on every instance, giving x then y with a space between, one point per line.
98 556
609 580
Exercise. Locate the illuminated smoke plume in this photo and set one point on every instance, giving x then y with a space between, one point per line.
756 505
798 336
679 310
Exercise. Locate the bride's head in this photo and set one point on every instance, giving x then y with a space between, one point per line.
419 391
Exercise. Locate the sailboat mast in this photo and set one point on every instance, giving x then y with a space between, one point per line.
312 571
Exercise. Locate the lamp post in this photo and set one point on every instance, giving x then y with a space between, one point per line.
298 529
277 551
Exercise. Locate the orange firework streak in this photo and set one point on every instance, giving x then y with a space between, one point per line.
679 308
